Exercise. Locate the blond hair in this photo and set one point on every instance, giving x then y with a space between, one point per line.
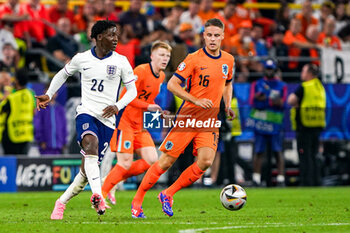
160 44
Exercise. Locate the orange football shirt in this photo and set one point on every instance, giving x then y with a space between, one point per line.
294 51
206 77
148 86
330 41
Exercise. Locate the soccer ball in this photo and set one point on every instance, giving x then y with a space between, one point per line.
233 197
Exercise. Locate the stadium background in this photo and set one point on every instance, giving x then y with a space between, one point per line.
42 172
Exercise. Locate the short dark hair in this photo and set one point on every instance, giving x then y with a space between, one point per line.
312 69
215 22
100 27
22 77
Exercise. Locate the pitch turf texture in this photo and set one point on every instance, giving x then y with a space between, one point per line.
195 210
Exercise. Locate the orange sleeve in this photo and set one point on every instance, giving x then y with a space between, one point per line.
320 38
185 68
288 38
231 71
137 103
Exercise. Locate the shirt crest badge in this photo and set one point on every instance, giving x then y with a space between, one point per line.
225 69
111 70
85 126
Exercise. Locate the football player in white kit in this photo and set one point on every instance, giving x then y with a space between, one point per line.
102 71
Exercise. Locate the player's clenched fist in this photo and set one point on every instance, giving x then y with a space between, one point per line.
230 114
204 103
110 111
42 101
154 108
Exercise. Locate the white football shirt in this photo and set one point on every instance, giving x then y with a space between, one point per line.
100 81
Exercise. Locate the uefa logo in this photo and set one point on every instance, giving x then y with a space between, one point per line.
151 120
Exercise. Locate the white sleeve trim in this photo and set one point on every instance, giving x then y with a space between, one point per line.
130 95
57 82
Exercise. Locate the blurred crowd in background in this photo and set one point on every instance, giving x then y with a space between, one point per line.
42 38
250 34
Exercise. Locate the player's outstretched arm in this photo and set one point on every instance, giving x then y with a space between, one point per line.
42 101
130 95
57 81
154 108
137 103
174 85
227 95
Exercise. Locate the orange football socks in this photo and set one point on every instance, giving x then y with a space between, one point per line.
151 177
137 167
118 173
187 177
114 177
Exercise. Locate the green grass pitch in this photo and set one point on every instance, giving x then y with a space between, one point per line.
195 210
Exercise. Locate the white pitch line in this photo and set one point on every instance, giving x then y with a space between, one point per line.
142 222
275 225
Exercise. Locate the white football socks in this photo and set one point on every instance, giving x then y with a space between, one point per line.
92 172
106 164
257 178
74 188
